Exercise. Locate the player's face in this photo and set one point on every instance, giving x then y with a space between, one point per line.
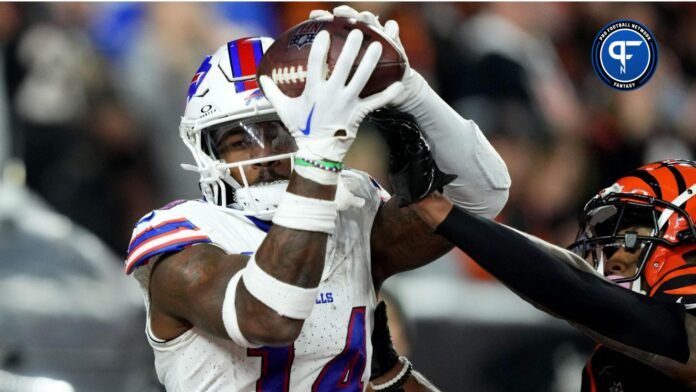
620 261
257 140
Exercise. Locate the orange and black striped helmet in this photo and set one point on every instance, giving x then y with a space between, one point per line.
659 196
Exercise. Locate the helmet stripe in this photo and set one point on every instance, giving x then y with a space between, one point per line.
680 271
245 55
648 179
681 184
257 53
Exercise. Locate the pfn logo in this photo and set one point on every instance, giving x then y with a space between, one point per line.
624 55
621 55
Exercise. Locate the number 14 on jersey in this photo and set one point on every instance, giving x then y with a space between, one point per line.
344 371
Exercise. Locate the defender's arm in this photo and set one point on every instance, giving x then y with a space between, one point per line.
654 331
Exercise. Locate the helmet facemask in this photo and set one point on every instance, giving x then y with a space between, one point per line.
256 156
249 162
630 223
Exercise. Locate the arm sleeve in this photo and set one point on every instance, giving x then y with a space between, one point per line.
459 147
543 278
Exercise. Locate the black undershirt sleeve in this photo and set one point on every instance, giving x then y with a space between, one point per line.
630 318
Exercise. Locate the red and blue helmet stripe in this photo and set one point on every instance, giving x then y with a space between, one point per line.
245 56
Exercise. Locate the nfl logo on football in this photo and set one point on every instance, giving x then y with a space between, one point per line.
305 34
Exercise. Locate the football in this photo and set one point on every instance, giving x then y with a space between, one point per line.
286 60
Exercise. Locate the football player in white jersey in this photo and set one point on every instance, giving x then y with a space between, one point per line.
268 283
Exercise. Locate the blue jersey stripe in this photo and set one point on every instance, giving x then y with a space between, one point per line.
146 218
261 224
160 229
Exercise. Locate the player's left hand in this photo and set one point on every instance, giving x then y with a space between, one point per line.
412 80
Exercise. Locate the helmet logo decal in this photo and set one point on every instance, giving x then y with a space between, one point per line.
254 96
198 77
245 56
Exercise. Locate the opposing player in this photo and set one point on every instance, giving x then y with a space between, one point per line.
640 235
269 282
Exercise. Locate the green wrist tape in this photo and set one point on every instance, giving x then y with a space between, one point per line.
324 165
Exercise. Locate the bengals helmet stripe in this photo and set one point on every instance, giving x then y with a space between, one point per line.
681 184
687 290
648 179
685 270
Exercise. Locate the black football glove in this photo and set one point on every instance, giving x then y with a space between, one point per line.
384 357
412 170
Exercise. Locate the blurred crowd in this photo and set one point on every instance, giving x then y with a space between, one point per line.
96 92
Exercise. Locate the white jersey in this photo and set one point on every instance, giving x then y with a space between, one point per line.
333 350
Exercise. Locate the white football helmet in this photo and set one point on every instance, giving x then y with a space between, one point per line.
224 100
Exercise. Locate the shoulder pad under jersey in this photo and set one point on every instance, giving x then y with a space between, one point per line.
165 230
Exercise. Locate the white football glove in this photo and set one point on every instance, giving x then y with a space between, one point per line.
324 120
413 81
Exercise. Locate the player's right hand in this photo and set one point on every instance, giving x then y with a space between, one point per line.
324 120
